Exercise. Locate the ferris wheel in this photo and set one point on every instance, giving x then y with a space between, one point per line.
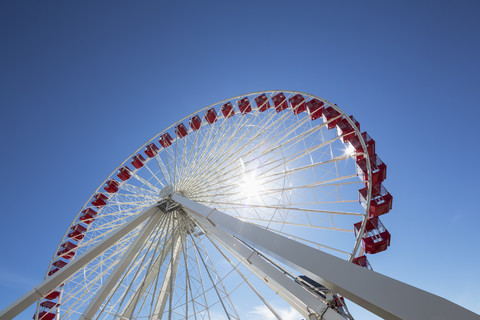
273 193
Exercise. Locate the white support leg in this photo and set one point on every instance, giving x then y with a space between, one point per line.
150 276
169 281
383 296
297 296
113 278
49 284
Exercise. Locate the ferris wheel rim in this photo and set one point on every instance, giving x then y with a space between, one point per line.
235 98
112 174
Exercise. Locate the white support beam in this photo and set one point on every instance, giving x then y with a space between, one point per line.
381 295
284 286
49 284
149 277
126 259
169 280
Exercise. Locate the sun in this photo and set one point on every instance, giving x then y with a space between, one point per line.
349 150
250 186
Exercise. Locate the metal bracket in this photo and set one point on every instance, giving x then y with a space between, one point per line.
168 205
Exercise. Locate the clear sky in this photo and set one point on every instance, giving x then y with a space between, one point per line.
84 83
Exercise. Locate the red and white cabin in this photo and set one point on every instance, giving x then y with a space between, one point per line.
137 161
354 142
44 315
227 110
195 122
88 216
151 150
379 169
280 102
346 130
48 310
380 203
52 295
375 238
331 117
66 250
99 200
112 186
315 108
124 173
244 105
165 140
211 115
77 232
262 102
297 102
57 265
52 271
181 130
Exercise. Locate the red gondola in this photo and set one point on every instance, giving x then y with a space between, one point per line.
211 115
262 103
124 173
60 264
47 310
227 110
379 169
346 130
66 250
52 295
151 150
181 130
331 117
380 203
137 161
112 186
52 271
77 232
43 315
244 105
315 108
57 265
99 200
297 102
354 142
280 102
49 304
88 215
375 238
165 140
195 122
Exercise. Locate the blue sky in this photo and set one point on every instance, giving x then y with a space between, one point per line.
83 84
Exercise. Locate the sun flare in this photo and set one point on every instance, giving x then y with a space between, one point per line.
349 150
250 186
